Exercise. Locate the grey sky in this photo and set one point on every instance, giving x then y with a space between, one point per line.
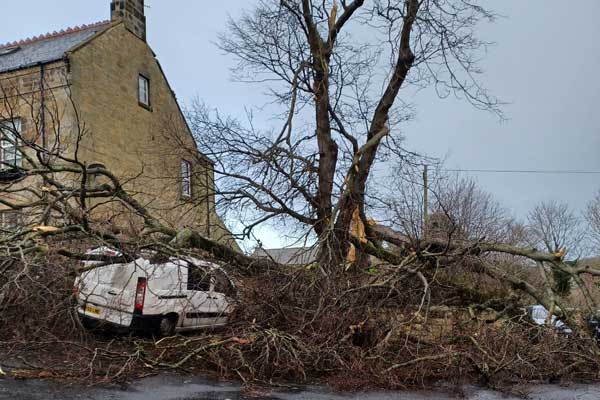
545 64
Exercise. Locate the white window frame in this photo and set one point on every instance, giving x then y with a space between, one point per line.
186 179
144 90
10 156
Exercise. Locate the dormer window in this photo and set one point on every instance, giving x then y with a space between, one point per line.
10 156
144 91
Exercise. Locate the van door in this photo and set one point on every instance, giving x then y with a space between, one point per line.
123 284
108 292
200 307
220 307
93 290
223 293
166 292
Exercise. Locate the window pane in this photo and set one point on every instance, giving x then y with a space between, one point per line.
186 178
186 189
198 279
10 156
9 144
144 90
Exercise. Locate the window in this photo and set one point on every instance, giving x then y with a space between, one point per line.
10 156
186 179
93 178
198 279
144 90
10 221
223 284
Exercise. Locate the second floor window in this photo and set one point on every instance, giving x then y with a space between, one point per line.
186 179
10 156
144 90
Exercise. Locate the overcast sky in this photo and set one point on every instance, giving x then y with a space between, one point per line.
546 64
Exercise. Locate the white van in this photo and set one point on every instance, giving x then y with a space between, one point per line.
539 315
160 297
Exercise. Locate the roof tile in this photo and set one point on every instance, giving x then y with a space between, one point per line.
48 47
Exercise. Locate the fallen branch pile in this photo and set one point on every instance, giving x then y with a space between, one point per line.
385 330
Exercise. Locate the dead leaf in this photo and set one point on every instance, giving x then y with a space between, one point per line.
241 341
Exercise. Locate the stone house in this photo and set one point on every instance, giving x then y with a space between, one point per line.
98 92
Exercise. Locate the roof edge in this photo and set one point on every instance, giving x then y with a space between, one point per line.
108 26
55 34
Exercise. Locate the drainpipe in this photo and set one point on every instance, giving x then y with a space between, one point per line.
43 157
43 106
207 174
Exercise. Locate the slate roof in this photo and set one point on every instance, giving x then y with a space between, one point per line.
288 255
45 48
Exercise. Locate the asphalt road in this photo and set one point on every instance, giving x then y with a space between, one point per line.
171 387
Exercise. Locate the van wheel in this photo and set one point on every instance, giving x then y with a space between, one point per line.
167 325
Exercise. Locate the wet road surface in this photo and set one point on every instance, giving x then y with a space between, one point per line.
172 387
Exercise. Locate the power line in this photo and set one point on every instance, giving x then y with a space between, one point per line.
525 171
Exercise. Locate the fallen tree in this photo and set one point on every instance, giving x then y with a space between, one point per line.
406 310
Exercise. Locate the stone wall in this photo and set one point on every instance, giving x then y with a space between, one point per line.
131 12
21 99
143 145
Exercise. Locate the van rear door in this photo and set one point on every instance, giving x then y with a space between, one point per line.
123 285
110 290
94 286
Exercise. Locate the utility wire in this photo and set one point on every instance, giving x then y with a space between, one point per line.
524 171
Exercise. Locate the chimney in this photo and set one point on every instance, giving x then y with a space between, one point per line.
131 12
